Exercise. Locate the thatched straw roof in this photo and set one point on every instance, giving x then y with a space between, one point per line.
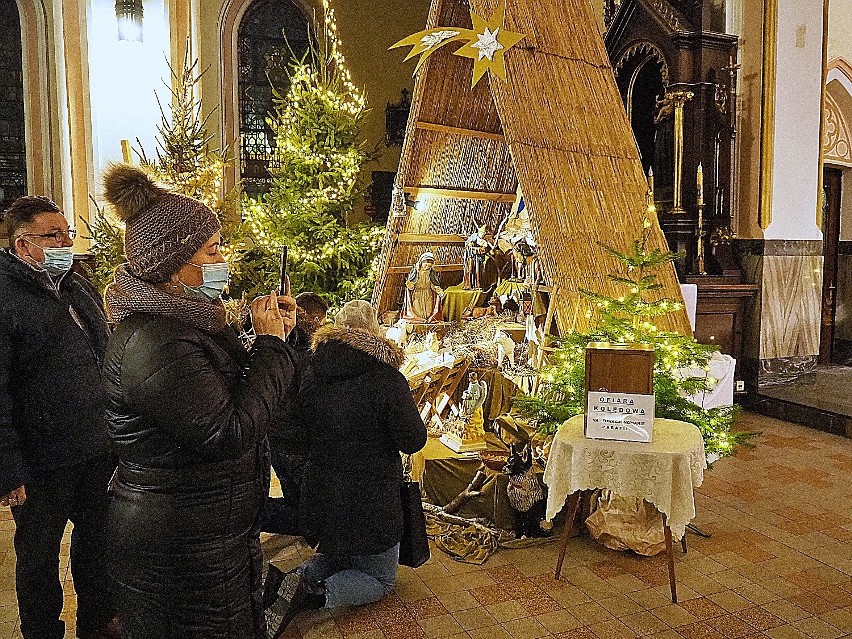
556 126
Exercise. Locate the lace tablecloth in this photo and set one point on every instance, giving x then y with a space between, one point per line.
663 472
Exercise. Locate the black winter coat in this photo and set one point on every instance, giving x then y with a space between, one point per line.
52 341
281 429
188 416
357 414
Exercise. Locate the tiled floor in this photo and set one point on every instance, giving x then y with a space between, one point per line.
779 564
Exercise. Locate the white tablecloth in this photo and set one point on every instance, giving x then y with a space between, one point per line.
690 301
663 472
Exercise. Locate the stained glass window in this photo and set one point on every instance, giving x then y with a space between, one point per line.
13 158
270 34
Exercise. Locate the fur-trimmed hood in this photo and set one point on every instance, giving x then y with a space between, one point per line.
360 340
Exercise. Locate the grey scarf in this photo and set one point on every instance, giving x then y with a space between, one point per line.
128 294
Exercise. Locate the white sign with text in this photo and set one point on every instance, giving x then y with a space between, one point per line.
625 417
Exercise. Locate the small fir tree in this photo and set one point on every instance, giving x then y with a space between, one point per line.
316 163
107 246
184 162
681 365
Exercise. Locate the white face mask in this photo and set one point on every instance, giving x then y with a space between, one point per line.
57 260
214 279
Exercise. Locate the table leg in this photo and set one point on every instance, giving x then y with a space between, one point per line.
698 531
573 503
667 532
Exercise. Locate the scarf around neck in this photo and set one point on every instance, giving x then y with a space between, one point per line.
128 295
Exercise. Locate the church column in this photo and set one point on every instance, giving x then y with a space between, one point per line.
798 96
75 126
181 30
791 254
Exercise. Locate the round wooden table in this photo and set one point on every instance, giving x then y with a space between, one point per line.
663 472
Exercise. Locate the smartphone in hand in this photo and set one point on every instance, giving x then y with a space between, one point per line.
282 286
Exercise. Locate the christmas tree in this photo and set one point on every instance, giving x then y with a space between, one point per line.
185 162
316 163
681 365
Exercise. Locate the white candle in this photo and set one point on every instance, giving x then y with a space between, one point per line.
700 184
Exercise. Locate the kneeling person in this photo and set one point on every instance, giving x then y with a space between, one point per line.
281 514
356 414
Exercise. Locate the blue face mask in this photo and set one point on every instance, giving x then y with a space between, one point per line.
58 261
214 279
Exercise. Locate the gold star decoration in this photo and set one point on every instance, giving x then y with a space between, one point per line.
492 42
486 44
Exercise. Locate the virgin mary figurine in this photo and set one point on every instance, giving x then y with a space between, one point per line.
423 292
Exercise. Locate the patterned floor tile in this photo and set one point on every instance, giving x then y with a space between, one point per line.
777 565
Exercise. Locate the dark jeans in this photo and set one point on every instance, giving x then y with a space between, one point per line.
77 493
281 514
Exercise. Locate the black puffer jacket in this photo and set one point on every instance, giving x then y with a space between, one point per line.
52 341
188 416
357 414
281 429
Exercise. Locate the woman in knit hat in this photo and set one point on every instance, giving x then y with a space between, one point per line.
188 412
356 414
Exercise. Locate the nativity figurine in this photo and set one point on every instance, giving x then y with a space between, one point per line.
423 295
525 260
476 248
469 434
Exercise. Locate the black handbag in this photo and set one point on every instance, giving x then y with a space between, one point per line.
414 545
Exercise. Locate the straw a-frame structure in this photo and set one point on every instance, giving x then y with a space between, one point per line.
556 127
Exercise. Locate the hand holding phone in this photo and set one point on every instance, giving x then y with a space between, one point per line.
286 304
282 287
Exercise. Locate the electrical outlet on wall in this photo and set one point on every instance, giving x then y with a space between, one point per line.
739 386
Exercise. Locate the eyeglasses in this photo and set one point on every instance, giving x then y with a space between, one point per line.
58 235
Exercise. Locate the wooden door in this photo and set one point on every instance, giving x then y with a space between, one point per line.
831 184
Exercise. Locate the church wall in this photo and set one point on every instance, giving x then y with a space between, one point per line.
839 28
125 79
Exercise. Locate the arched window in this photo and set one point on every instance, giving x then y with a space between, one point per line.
13 158
268 32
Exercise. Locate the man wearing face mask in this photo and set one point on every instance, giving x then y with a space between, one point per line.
55 460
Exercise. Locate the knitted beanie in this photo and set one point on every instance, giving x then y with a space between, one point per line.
163 229
358 314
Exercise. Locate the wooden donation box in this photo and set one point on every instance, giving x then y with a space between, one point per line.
620 391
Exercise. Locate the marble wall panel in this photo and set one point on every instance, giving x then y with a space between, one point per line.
791 299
